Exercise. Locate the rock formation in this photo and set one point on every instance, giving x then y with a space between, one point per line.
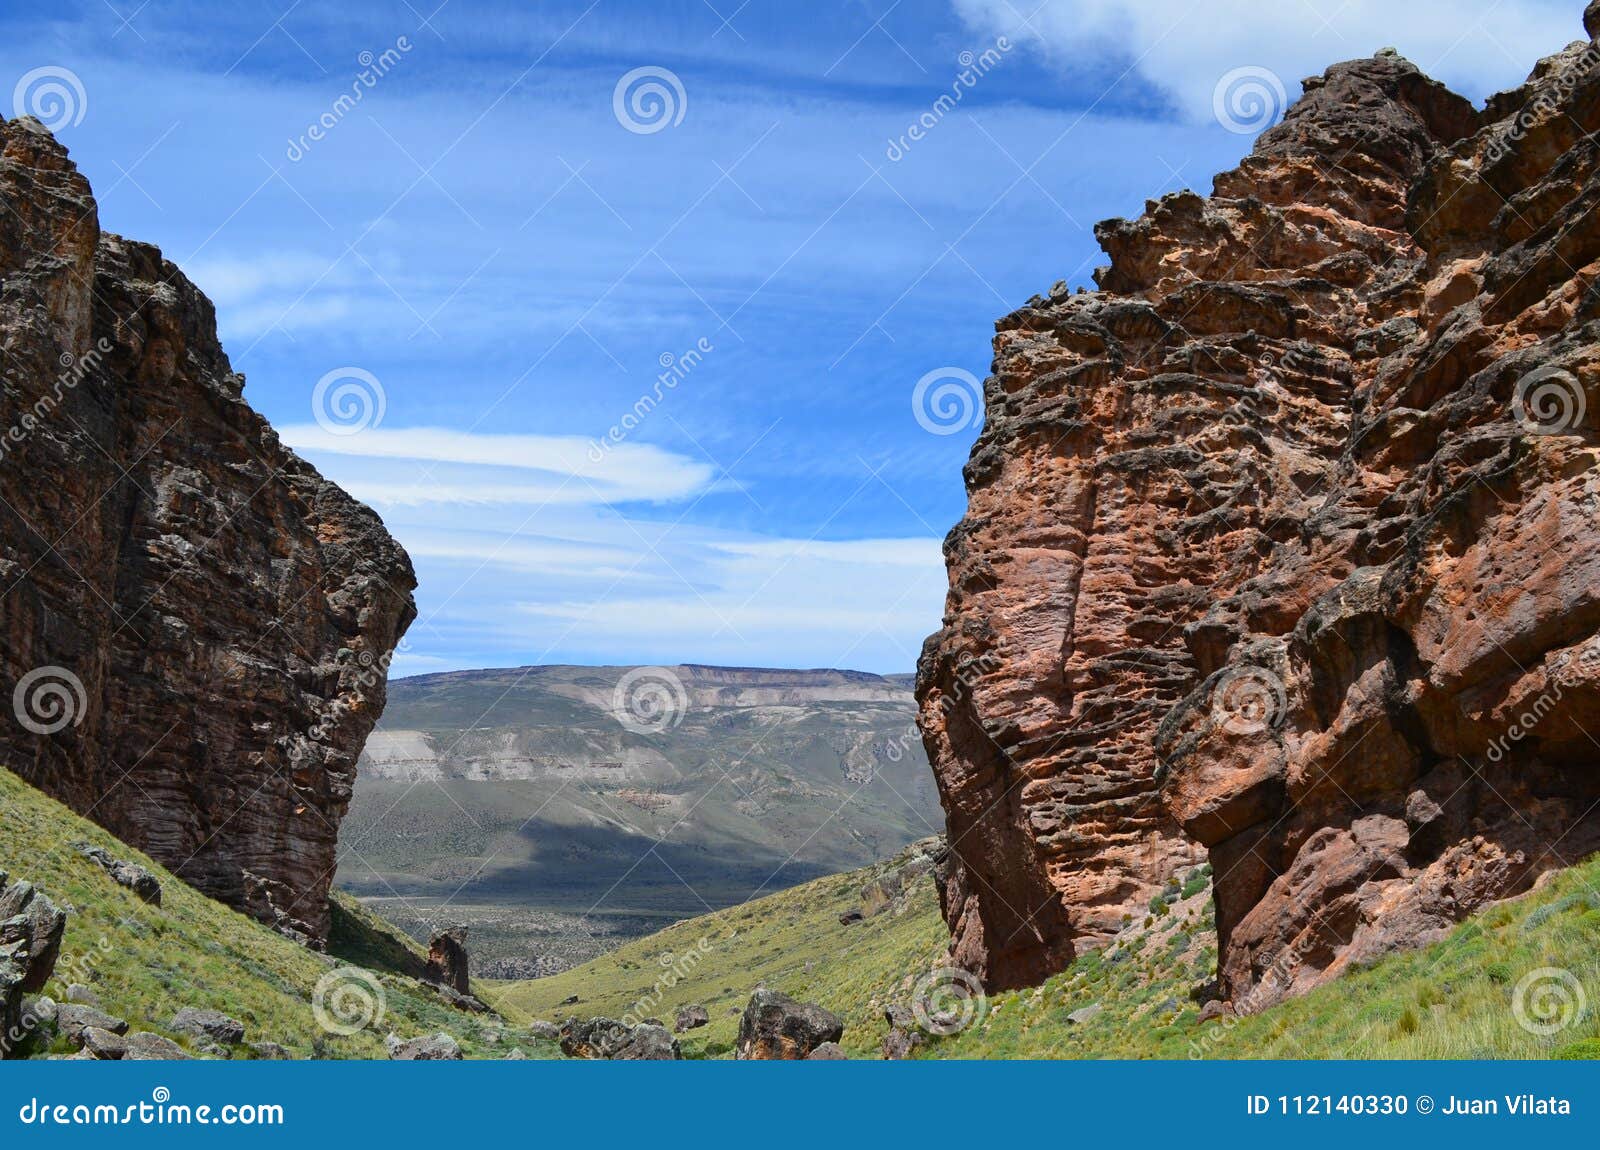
31 929
775 1028
447 959
1282 543
194 624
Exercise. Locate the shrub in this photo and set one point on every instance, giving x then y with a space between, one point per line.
1586 1050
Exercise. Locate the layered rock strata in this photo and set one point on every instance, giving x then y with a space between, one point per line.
1282 544
194 624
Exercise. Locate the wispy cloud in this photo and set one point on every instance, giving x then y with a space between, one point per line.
575 469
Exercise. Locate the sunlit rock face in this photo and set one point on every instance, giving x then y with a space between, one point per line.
194 624
1282 546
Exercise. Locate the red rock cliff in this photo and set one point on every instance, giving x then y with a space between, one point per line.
194 625
1273 542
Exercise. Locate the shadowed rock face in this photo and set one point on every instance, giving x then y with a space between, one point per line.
213 616
1274 540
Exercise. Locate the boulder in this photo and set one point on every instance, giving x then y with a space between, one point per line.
31 927
447 959
1085 1014
143 1046
828 1052
269 1052
899 1043
429 1048
776 1027
210 1025
72 1019
605 1038
129 874
691 1017
544 1031
82 995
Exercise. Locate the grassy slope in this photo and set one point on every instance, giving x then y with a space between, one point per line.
1449 1000
145 962
792 941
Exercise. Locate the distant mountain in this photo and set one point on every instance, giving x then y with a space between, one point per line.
561 810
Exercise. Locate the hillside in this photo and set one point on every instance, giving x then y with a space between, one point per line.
146 962
1458 998
558 817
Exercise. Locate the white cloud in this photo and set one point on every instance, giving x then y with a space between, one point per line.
1184 48
445 466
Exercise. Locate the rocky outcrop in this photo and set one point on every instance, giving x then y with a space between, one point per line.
194 624
774 1027
129 874
606 1038
447 959
429 1048
1282 543
31 929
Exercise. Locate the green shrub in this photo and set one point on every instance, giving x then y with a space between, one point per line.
1587 1050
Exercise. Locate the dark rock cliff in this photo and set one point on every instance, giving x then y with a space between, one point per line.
194 624
1283 544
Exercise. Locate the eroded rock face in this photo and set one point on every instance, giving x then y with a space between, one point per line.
1272 541
194 624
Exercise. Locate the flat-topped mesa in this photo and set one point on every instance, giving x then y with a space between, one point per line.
194 624
1176 473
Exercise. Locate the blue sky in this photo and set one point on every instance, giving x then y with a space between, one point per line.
502 247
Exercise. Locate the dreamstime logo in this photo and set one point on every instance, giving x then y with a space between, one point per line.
947 400
348 1000
648 99
675 369
649 700
974 67
1548 1000
374 67
49 699
1249 100
347 401
52 95
948 1000
1248 700
1549 401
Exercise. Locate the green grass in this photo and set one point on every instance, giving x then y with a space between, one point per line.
791 941
1453 999
1449 1000
146 962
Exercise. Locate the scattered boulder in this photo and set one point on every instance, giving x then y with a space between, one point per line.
516 1055
129 874
545 1031
72 1019
605 1038
828 1052
82 995
143 1046
904 1036
269 1052
211 1025
429 1048
1214 1010
691 1017
31 927
899 1044
776 1027
447 959
103 1044
1085 1014
851 917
